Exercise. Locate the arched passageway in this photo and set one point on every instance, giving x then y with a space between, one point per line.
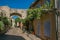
13 23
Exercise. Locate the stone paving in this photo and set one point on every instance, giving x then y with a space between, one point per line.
17 34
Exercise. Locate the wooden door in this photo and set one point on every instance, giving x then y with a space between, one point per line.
38 28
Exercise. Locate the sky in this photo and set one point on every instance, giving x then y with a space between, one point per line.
20 4
14 17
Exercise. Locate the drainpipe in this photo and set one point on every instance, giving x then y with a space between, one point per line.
57 25
57 13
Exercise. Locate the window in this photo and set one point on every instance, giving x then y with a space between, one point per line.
38 6
47 28
46 0
58 4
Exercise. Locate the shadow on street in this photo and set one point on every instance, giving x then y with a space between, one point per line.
11 37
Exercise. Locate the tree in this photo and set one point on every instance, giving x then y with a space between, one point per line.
5 21
17 20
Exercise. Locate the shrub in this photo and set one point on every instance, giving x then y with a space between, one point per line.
1 25
5 21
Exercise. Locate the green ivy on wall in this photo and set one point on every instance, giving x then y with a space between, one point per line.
37 12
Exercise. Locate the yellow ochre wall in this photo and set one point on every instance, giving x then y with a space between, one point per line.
49 16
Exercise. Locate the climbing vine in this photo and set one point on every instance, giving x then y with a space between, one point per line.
38 12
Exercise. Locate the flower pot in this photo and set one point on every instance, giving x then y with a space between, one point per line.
33 32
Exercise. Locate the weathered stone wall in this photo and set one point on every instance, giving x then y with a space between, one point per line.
22 12
5 9
46 29
8 11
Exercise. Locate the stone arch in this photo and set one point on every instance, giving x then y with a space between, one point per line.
15 14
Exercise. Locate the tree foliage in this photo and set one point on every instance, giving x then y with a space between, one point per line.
20 20
5 21
17 20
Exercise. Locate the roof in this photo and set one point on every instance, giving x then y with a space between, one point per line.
35 3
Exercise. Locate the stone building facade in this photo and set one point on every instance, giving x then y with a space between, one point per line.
10 11
45 28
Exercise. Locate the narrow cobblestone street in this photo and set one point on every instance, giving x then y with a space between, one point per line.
17 34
